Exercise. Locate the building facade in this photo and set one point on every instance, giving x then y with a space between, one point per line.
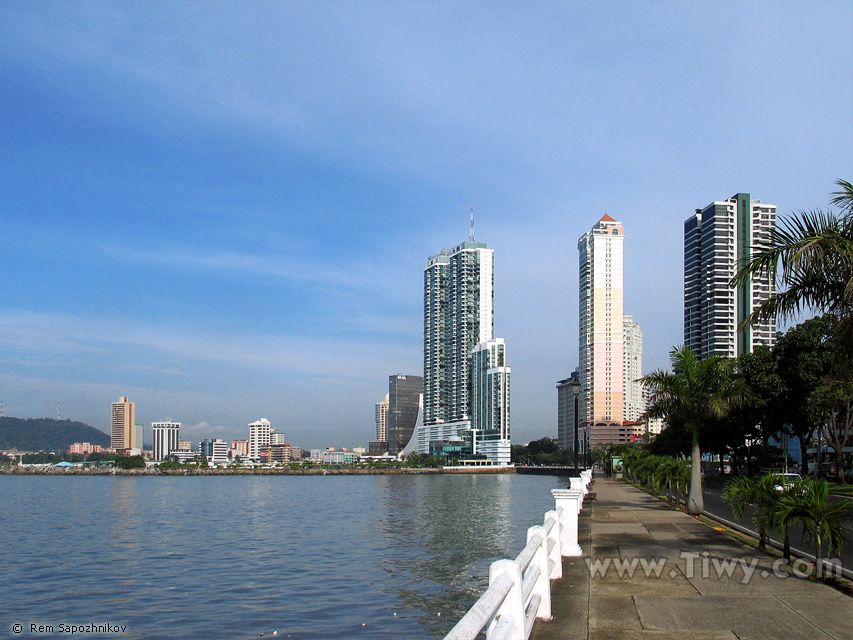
566 412
632 349
381 416
166 438
717 240
260 436
490 399
459 321
123 425
601 337
215 450
404 406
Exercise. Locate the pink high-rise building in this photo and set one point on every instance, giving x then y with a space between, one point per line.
601 335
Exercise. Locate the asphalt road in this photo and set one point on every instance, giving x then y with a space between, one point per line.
714 504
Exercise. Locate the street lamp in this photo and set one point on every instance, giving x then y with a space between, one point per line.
576 390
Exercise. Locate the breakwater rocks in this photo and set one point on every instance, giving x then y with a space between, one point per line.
281 471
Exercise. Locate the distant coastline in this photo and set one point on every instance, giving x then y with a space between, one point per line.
287 471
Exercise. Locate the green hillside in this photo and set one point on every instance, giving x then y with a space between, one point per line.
45 434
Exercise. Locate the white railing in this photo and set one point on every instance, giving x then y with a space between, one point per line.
520 590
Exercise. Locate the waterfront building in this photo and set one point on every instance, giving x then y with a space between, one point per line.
166 438
240 448
717 240
277 437
276 453
635 399
404 406
185 445
381 417
183 455
215 450
459 316
600 288
566 412
260 436
85 448
123 426
490 398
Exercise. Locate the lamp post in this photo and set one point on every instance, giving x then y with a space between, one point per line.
576 390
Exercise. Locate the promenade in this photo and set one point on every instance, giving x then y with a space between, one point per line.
659 574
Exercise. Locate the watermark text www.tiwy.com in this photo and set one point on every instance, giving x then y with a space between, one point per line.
703 565
68 629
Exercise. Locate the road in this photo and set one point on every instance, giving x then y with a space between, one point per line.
714 504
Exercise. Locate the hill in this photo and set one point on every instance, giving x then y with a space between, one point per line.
46 434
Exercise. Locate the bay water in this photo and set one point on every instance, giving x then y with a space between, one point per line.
375 556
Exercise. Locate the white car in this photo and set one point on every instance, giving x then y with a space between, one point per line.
787 479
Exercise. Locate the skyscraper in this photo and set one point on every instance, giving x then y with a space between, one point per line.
382 420
490 397
404 404
166 438
601 334
123 425
632 349
459 316
717 240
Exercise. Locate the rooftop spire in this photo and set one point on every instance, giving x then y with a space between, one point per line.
471 233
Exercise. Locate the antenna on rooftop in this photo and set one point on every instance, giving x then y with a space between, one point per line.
471 233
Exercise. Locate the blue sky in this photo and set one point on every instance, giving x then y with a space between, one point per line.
223 209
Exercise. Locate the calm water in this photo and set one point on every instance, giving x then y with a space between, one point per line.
236 556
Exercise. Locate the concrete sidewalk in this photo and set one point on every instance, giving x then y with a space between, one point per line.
688 581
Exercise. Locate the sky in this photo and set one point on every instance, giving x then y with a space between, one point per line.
222 210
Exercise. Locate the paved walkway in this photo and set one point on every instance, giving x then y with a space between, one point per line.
697 583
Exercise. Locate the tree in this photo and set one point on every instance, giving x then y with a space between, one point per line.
834 399
814 251
761 492
697 392
824 522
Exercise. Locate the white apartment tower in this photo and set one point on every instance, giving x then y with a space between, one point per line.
632 349
602 334
166 438
459 320
717 240
260 436
382 420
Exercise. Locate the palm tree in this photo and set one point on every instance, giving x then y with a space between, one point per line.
815 252
824 522
698 391
761 492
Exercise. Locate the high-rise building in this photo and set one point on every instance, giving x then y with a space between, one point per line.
717 241
566 412
459 316
381 415
214 449
166 438
601 335
632 349
123 425
490 398
260 436
404 406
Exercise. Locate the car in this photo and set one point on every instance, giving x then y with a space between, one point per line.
786 480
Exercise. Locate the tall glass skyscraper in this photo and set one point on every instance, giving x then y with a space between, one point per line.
717 239
459 336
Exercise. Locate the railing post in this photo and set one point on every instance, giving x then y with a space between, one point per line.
578 485
542 585
570 501
512 609
554 543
